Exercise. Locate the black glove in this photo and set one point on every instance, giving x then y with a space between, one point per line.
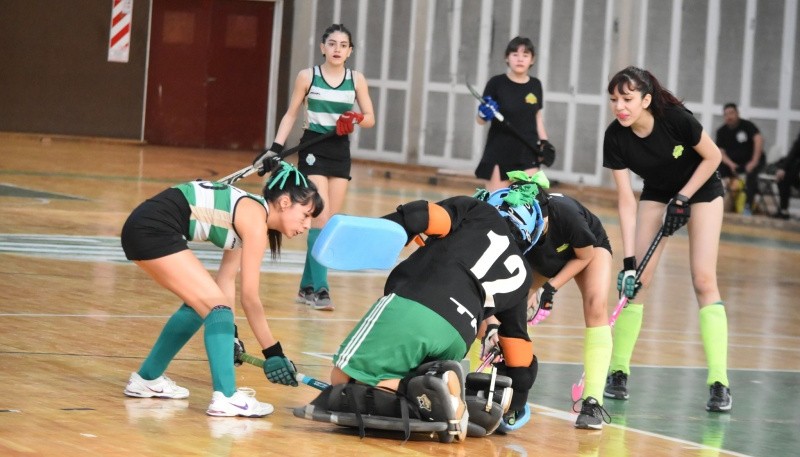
238 347
544 298
677 215
269 160
277 367
488 342
626 279
547 153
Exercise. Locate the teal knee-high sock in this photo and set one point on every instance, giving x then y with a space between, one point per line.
178 330
319 273
308 270
219 348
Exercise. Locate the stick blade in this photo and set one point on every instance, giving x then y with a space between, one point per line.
577 391
359 243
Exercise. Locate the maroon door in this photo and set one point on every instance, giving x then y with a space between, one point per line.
208 73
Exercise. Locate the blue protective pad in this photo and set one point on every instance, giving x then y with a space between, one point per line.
359 243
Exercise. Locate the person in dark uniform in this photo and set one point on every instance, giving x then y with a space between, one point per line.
520 98
155 238
574 245
328 92
657 138
471 266
788 175
742 148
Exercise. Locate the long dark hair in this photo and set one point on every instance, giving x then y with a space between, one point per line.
635 78
287 180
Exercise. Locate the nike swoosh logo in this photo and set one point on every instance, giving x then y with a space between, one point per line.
241 407
159 391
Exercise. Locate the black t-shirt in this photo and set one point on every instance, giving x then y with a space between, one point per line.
665 159
738 141
519 104
570 226
475 271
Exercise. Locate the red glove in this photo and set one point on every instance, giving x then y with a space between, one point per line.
345 123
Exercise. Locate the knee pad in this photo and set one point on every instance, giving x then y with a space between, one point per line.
522 379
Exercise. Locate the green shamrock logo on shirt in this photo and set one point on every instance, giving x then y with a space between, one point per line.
677 151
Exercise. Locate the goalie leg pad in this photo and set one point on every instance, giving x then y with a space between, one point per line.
485 415
363 406
436 389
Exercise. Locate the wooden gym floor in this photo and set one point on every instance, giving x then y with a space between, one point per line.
76 318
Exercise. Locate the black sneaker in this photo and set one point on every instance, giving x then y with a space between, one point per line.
305 295
322 300
592 415
720 400
616 386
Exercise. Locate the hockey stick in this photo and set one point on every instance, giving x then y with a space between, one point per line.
250 169
490 358
577 389
499 116
308 380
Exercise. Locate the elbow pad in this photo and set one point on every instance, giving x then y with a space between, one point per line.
421 216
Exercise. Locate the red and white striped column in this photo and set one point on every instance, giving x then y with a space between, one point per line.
119 41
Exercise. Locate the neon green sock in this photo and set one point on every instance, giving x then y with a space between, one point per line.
178 330
714 330
626 332
596 359
218 338
313 272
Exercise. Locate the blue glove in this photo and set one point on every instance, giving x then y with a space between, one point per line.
678 212
277 367
487 109
627 284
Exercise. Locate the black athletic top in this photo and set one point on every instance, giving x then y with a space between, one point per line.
738 141
475 271
570 226
665 159
519 104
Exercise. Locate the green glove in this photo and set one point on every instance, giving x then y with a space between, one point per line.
277 367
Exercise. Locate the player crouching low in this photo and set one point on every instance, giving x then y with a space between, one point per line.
398 369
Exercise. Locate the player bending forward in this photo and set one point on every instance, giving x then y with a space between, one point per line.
400 362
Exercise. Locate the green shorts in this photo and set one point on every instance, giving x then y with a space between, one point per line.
394 337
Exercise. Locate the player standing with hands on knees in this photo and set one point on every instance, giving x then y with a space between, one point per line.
519 97
657 138
328 92
242 224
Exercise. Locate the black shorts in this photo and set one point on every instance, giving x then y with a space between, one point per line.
158 227
484 169
330 157
708 192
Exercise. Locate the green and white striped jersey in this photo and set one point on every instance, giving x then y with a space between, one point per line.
213 205
324 104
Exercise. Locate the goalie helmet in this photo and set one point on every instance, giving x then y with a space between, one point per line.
526 219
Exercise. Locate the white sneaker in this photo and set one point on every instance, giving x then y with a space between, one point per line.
161 387
241 403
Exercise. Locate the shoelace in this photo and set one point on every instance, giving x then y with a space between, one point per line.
250 392
618 379
718 391
591 408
